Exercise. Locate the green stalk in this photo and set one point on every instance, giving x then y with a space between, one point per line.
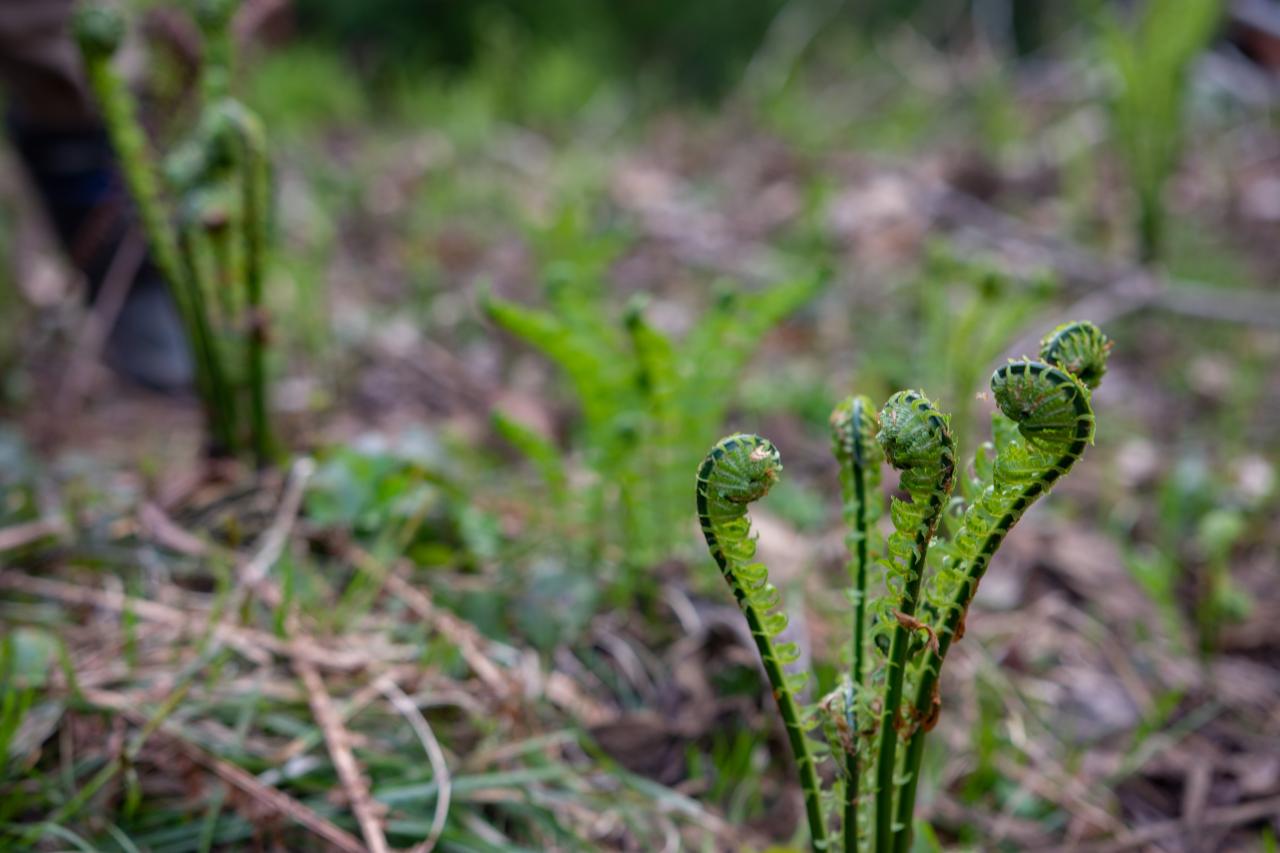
907 796
859 645
925 697
254 227
1050 405
738 470
214 18
1150 229
218 234
99 32
918 442
852 427
792 722
246 133
212 383
892 699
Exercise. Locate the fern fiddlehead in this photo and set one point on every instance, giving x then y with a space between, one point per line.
1080 348
738 470
853 429
917 441
99 32
1048 402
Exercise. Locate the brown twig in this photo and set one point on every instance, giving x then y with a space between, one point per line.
338 740
461 635
477 651
356 703
156 524
20 535
1104 290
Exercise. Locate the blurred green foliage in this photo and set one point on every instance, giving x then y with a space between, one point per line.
698 46
648 401
700 49
1151 61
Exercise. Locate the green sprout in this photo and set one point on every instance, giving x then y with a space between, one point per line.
882 712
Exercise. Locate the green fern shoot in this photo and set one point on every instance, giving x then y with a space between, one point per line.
878 719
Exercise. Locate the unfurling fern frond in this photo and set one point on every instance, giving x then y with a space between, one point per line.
203 245
99 31
738 470
901 637
916 440
853 430
1045 422
1080 348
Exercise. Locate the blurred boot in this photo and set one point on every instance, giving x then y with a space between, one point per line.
75 175
55 129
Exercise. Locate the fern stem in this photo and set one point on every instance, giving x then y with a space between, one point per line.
852 429
926 697
212 382
254 180
225 276
1026 391
214 19
738 470
99 32
907 796
852 765
916 441
793 723
896 671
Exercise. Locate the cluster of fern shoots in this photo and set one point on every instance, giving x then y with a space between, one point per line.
875 722
204 212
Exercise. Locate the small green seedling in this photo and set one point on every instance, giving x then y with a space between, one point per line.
879 717
642 393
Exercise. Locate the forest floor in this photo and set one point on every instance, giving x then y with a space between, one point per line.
378 643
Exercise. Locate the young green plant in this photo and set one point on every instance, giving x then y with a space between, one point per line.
99 32
901 636
917 441
205 216
1151 63
1045 422
739 470
631 379
853 430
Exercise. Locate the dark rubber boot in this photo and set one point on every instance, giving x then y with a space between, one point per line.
75 173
